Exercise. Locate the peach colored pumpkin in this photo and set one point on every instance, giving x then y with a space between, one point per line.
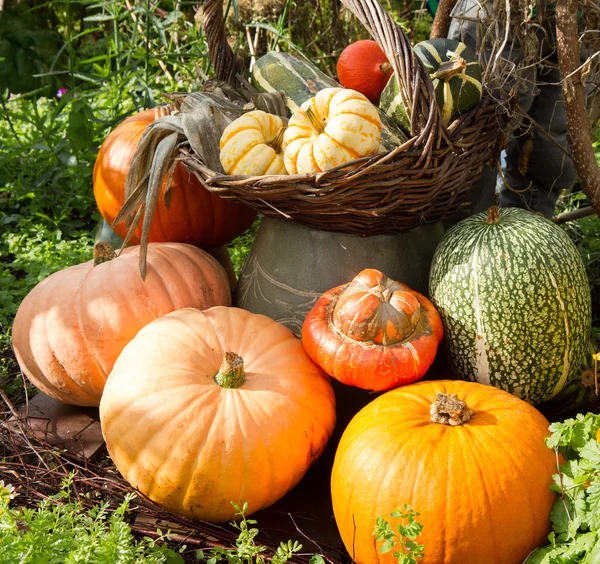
71 327
206 408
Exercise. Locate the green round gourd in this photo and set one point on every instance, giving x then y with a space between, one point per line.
456 75
515 300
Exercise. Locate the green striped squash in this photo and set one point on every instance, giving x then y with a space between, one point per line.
456 77
515 300
301 80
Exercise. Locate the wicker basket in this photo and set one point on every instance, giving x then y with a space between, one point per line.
422 181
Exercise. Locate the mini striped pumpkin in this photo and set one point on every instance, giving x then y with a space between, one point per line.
456 77
337 126
251 145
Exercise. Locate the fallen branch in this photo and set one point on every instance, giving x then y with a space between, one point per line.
575 214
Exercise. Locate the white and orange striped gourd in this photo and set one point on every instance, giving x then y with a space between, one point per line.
337 126
251 145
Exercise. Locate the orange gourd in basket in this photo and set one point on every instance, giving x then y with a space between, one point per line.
194 215
373 333
364 67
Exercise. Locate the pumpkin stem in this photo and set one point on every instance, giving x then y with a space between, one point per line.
275 144
386 295
449 69
314 120
231 374
103 252
449 410
385 67
493 215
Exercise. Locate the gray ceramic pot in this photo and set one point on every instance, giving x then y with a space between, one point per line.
290 266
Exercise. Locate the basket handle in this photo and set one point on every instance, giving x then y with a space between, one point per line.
225 63
416 87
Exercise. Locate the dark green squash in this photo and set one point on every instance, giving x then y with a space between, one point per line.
456 75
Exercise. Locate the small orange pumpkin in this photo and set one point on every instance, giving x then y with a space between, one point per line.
470 459
71 327
206 408
373 333
194 216
363 66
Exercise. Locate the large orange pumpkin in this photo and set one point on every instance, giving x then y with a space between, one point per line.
206 408
194 216
71 327
471 459
373 333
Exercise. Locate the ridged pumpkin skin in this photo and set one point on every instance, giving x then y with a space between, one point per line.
337 126
363 66
251 145
373 333
481 488
194 216
515 301
71 327
194 446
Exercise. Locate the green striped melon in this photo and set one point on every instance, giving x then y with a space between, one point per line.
456 77
515 300
301 80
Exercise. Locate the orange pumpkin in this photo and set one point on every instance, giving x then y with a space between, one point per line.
469 458
71 327
373 333
363 67
194 216
206 408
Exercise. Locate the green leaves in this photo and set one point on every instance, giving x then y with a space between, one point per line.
400 538
61 530
80 127
575 516
247 551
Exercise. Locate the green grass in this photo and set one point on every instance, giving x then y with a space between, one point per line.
63 529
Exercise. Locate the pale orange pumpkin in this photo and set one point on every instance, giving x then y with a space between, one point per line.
71 327
206 408
475 467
